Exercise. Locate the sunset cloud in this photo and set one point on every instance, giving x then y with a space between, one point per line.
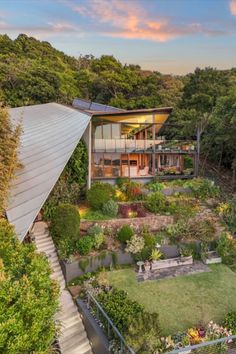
232 6
124 20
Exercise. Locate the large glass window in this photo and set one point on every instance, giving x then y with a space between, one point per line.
97 165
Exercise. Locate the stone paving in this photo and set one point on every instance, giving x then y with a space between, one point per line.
173 272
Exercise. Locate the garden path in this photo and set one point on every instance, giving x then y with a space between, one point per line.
73 337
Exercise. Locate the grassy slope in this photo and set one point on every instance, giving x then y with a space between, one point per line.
184 301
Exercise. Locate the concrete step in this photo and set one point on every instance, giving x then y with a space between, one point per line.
73 338
47 248
71 320
69 332
46 241
77 341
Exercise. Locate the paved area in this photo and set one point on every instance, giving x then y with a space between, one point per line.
173 272
73 337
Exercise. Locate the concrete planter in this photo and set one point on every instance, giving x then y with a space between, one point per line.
211 257
172 262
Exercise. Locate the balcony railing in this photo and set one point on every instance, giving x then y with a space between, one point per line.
139 145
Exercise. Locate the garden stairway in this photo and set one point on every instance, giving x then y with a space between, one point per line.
73 337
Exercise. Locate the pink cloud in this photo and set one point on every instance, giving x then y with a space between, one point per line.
124 20
232 5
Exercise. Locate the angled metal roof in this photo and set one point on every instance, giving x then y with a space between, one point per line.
93 107
50 134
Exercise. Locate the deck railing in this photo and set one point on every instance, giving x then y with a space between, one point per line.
141 145
225 345
106 323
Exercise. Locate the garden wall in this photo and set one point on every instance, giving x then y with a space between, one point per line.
155 222
92 263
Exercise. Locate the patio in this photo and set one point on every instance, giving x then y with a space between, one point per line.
173 272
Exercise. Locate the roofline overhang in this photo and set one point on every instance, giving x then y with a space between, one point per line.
166 110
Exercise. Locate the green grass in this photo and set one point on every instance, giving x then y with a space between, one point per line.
184 301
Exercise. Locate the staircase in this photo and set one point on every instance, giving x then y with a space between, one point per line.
73 337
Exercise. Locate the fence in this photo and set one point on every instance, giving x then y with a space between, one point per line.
226 345
111 331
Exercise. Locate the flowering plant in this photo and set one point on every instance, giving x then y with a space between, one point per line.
135 245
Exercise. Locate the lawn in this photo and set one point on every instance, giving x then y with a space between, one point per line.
184 301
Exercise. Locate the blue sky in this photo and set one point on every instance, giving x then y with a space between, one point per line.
171 36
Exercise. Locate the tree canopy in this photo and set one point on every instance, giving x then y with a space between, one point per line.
9 140
29 298
34 72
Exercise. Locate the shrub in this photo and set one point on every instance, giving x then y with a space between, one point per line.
149 238
94 230
156 255
110 208
97 235
122 181
134 190
155 202
186 250
143 255
143 334
230 322
65 228
203 188
203 230
155 186
228 213
135 244
119 308
84 245
99 194
29 298
98 240
125 233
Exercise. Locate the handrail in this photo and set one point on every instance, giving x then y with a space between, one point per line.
202 345
115 329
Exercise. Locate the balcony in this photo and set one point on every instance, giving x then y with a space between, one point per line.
147 146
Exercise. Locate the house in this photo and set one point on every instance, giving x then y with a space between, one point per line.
129 144
120 143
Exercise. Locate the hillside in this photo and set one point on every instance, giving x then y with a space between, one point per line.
34 72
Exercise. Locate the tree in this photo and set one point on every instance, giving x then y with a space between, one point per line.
9 141
29 298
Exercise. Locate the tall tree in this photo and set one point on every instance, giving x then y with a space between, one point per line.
9 141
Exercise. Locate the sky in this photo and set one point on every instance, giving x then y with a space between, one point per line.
171 36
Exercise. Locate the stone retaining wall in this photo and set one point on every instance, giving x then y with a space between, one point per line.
155 222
